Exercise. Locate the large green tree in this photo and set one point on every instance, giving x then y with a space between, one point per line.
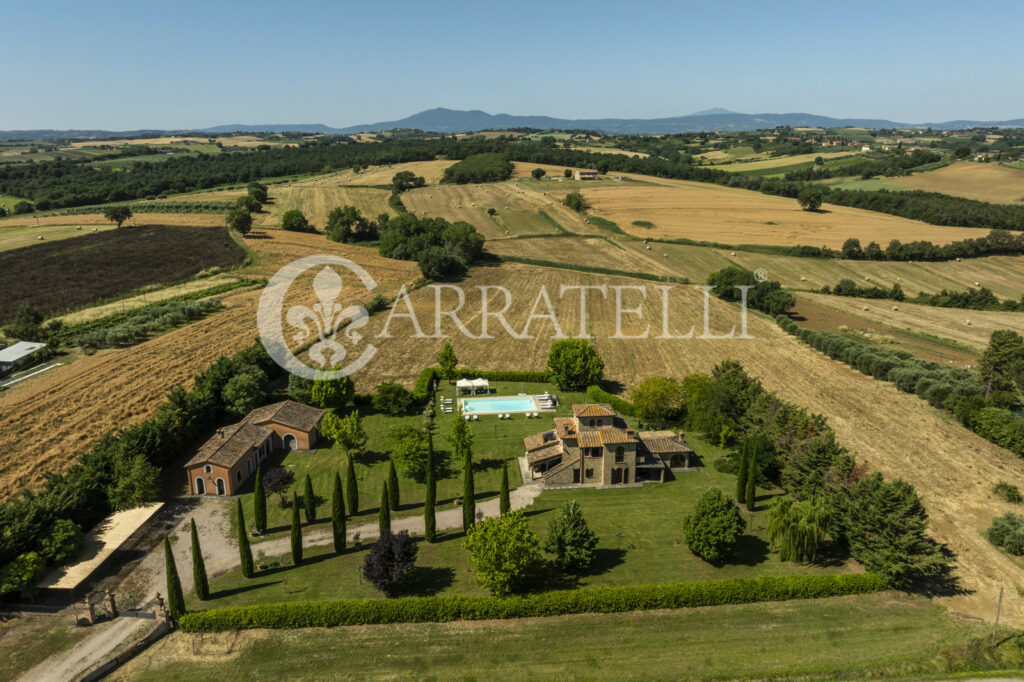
461 440
295 220
658 400
574 364
394 498
570 539
296 535
384 511
347 432
244 550
175 597
239 220
797 530
332 393
504 552
259 503
885 525
199 579
713 526
430 501
1002 364
409 447
338 530
117 214
351 487
309 500
447 361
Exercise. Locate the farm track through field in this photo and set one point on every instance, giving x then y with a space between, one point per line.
53 418
896 433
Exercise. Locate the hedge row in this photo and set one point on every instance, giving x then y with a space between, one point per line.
599 395
442 609
943 387
594 269
502 375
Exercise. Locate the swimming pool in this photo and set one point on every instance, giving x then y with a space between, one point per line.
498 404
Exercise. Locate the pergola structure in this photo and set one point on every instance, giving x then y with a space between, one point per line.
471 386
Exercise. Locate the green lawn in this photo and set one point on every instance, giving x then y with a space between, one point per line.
888 634
641 541
495 441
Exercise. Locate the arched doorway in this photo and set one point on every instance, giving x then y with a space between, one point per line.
290 443
200 486
220 486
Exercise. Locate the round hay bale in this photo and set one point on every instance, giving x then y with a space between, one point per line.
733 253
977 284
39 237
865 307
895 307
648 248
967 322
803 279
957 260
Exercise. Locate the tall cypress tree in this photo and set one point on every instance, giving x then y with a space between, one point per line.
175 597
296 531
392 487
468 493
751 480
351 488
202 585
504 503
244 551
338 516
309 500
429 504
384 513
259 503
741 474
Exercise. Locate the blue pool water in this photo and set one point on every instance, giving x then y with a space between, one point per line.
518 404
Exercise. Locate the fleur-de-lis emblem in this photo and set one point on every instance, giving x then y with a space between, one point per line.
325 319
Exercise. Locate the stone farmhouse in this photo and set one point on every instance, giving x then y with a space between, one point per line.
596 447
224 464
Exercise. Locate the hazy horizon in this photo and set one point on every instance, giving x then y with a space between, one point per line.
125 67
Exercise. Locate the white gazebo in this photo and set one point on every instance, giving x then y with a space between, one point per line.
471 386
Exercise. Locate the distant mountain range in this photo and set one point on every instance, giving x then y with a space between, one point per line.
441 120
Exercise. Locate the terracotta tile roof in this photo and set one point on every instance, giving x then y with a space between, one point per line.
593 410
287 413
611 435
539 440
548 452
657 442
230 444
590 439
565 427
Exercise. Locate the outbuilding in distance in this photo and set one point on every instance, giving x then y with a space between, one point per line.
19 355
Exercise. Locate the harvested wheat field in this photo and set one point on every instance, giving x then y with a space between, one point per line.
15 237
200 219
317 202
947 323
896 433
430 171
990 182
707 212
612 150
215 195
63 411
518 209
139 140
780 161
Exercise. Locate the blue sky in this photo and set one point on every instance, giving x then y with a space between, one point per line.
123 65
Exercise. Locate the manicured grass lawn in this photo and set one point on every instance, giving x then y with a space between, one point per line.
494 441
640 541
882 634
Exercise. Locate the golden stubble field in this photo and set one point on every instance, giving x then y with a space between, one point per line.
201 219
781 161
948 323
990 182
50 420
898 434
707 212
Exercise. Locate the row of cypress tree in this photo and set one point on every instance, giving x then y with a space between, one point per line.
390 499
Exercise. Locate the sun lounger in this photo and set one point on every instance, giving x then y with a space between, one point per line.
536 415
508 416
476 417
468 417
447 410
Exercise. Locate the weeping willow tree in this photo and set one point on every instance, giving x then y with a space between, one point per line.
797 529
